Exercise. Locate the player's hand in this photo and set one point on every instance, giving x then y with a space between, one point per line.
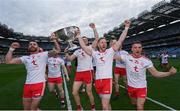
15 45
66 50
92 25
172 70
53 37
77 33
127 23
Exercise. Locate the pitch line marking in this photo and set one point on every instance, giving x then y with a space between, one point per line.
156 102
67 95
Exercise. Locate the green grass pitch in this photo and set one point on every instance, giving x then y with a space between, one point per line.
165 90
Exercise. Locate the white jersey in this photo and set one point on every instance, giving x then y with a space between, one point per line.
104 62
136 70
84 60
120 64
35 65
164 58
54 67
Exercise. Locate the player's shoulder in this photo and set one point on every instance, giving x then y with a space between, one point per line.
25 56
145 58
45 53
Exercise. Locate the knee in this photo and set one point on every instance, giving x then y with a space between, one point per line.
34 107
89 93
140 106
105 106
51 90
116 81
62 91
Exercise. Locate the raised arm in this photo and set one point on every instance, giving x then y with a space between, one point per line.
55 40
9 56
157 73
67 56
87 49
122 36
96 35
56 49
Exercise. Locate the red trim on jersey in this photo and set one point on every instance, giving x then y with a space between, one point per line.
135 56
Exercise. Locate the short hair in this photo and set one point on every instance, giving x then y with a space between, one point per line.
100 39
137 42
31 40
84 37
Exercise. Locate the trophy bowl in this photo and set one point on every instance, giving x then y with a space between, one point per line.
67 35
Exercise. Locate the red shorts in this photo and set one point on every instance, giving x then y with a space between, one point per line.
103 86
34 90
57 80
137 92
120 71
84 76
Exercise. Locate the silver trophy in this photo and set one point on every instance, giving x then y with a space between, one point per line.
67 35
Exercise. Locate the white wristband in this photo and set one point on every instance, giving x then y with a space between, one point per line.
126 28
11 49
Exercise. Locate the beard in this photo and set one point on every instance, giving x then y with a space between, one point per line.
32 49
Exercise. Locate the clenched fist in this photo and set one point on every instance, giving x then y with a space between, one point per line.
53 37
127 23
172 70
15 45
92 25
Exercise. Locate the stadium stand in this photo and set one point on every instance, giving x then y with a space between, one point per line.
157 29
